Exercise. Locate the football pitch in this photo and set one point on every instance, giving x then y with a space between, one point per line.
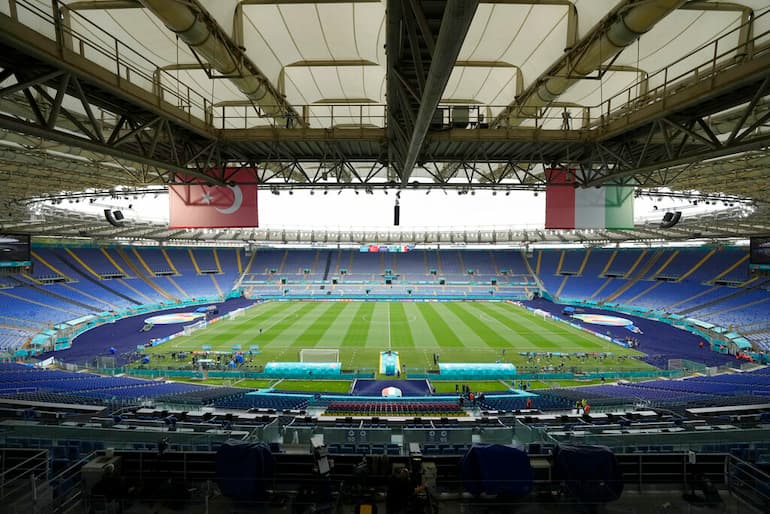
457 331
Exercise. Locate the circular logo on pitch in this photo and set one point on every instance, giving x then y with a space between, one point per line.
177 317
603 319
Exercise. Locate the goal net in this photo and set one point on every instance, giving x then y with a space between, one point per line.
319 355
236 314
189 329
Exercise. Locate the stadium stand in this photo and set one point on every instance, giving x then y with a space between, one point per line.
710 284
94 112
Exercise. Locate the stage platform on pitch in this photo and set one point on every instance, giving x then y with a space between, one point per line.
374 387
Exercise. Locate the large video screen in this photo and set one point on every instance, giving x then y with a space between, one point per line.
760 250
14 250
386 248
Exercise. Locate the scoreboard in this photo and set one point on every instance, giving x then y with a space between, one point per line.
759 254
15 253
386 248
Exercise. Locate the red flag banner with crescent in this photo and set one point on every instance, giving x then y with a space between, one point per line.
197 205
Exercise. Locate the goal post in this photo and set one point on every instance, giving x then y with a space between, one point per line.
319 355
237 313
189 329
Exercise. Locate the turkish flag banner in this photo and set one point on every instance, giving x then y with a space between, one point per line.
197 205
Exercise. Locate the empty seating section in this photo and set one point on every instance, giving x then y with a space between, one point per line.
87 295
709 390
702 296
623 263
431 262
597 261
16 379
296 264
113 289
265 263
69 283
156 262
734 267
710 284
510 261
450 266
651 295
481 263
228 262
362 266
394 408
29 303
12 338
744 309
549 261
205 396
99 262
509 403
418 272
151 390
276 401
761 339
48 266
411 266
204 258
572 262
137 288
683 261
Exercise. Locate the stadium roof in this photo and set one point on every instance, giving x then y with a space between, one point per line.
404 94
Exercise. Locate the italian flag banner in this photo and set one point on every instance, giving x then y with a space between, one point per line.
568 207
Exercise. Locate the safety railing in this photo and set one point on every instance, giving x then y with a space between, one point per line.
748 482
17 478
705 62
242 115
77 34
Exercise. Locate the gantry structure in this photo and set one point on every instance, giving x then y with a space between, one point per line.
398 94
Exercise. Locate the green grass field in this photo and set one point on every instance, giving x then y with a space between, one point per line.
457 331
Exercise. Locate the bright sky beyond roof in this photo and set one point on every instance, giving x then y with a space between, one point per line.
345 209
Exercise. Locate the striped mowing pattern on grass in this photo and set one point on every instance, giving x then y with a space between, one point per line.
458 331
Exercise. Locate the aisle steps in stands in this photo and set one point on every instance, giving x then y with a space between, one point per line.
736 294
697 265
101 283
636 276
60 298
45 263
80 261
216 284
175 285
735 265
647 290
168 260
113 262
140 274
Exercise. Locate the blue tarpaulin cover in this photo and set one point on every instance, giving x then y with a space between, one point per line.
496 469
244 470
